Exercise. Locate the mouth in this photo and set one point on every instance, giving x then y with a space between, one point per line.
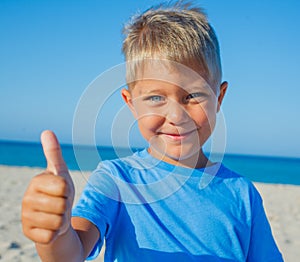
177 136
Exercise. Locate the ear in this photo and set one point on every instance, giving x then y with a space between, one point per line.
126 95
223 88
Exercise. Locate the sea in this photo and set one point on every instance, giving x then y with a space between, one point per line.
265 169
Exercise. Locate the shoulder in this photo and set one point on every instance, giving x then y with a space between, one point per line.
238 183
232 176
111 178
122 164
120 169
226 173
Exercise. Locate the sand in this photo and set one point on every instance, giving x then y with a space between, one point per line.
282 204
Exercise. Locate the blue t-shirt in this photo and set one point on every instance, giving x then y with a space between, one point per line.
149 210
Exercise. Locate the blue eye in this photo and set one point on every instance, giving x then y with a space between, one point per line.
155 99
198 97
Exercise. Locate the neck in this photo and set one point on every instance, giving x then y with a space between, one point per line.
198 160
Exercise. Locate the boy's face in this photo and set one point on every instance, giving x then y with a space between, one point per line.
176 113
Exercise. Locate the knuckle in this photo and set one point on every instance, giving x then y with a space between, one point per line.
40 177
26 230
26 214
26 200
38 180
25 217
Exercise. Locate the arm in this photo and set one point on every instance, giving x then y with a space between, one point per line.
46 211
75 245
262 243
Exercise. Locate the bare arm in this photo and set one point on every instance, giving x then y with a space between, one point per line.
74 245
46 211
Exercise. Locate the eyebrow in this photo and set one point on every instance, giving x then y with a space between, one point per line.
196 87
153 91
148 92
190 90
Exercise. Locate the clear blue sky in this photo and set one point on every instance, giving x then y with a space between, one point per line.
50 51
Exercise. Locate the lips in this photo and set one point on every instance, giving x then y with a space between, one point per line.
177 136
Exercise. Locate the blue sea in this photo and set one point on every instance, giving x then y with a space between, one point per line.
256 168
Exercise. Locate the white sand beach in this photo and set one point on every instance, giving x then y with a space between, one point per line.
282 204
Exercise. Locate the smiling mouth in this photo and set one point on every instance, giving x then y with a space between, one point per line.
177 137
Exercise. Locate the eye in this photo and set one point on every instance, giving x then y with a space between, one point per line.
196 97
155 99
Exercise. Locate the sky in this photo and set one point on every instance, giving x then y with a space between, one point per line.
53 52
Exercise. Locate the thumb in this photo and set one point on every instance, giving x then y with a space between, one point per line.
53 154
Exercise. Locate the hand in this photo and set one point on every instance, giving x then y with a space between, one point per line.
47 203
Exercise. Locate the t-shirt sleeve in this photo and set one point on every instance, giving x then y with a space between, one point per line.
262 244
95 205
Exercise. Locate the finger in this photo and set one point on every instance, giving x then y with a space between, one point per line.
53 185
48 221
53 154
40 235
53 203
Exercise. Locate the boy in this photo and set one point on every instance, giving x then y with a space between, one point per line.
152 206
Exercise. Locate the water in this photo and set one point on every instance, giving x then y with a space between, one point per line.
256 168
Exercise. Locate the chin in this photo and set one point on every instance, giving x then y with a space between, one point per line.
177 155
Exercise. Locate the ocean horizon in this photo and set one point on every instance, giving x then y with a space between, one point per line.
265 169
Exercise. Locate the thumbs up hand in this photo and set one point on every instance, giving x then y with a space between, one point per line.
47 203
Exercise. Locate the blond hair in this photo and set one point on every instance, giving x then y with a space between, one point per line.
177 32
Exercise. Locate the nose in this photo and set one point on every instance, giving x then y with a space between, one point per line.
176 113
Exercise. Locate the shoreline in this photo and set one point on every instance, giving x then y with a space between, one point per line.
281 201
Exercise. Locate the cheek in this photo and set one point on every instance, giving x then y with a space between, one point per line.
149 124
205 117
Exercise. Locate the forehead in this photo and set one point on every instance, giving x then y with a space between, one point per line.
171 73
